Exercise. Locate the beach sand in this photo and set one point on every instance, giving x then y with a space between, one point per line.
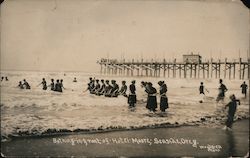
225 143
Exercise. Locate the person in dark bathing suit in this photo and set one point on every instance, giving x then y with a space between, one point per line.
123 89
61 83
91 85
44 83
132 95
115 89
151 101
102 88
164 98
20 85
97 87
58 86
52 85
201 88
222 90
232 107
108 89
244 89
26 84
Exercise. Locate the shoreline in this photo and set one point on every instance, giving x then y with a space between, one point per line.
65 132
229 143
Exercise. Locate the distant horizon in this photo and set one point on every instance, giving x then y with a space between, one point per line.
128 59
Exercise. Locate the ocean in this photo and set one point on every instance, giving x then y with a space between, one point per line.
44 112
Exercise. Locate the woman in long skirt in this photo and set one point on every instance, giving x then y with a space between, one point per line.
151 101
164 98
132 95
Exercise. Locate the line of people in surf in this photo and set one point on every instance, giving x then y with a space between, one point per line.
112 90
105 88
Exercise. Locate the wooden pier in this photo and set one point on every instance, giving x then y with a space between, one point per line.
174 69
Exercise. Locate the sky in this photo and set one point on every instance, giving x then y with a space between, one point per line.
71 35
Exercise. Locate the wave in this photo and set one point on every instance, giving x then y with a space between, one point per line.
215 120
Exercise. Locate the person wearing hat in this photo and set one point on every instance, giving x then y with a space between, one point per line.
115 89
222 90
108 89
123 89
232 106
151 100
164 98
132 95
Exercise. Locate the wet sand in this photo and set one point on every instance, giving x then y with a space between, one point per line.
221 143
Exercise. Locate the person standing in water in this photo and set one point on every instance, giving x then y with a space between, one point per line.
132 95
2 78
74 80
26 84
102 88
58 86
164 98
151 101
232 107
20 85
108 89
123 89
222 90
97 87
201 88
6 78
44 83
91 85
244 89
52 85
115 89
61 82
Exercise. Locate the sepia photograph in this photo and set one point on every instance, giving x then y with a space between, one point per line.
124 78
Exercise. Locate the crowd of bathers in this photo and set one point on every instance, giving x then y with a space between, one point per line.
58 86
107 89
112 90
